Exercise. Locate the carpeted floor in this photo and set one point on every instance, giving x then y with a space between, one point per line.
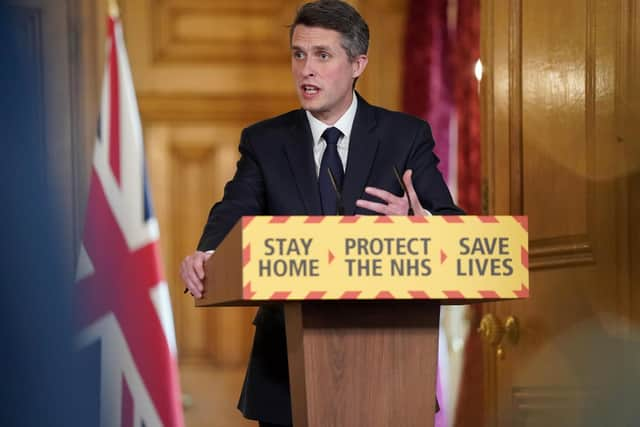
210 396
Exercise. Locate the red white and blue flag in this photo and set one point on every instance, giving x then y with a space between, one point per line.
122 305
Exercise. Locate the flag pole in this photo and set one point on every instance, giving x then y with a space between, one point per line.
114 11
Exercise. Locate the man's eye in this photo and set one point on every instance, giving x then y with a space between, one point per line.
324 55
298 55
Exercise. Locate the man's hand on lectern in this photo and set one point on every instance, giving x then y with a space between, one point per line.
192 272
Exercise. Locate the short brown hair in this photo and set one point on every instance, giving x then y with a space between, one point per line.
339 16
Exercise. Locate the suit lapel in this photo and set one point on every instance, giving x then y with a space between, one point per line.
362 150
299 151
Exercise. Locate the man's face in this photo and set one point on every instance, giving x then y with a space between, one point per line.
323 72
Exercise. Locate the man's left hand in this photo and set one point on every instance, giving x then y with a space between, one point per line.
395 205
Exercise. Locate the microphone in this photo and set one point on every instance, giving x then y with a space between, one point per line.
404 188
339 205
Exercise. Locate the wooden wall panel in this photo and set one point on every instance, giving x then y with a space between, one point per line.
558 132
181 46
187 163
221 31
628 136
381 83
569 146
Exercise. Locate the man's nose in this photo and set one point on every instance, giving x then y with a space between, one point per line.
308 70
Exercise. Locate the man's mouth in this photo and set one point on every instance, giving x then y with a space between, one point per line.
310 89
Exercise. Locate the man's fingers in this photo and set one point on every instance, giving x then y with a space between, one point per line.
373 206
395 205
192 273
398 208
415 201
406 178
198 264
193 281
196 282
382 194
191 286
194 289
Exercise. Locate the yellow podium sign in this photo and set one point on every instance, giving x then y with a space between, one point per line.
383 257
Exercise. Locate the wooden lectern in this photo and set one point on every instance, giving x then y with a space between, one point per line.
362 335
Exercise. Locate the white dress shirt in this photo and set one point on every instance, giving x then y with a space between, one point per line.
344 123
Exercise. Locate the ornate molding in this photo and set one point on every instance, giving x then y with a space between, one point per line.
516 143
221 31
209 108
627 90
562 251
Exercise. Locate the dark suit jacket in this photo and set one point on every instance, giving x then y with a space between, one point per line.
276 175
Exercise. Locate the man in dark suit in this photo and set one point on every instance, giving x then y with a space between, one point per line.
293 164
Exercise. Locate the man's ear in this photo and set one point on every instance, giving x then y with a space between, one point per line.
359 64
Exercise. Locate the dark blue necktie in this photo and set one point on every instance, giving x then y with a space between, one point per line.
330 160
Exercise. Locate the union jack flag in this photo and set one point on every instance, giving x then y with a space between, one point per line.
122 301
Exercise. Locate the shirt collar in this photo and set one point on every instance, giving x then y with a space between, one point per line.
344 123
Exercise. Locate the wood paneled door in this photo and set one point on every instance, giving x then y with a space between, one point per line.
559 146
